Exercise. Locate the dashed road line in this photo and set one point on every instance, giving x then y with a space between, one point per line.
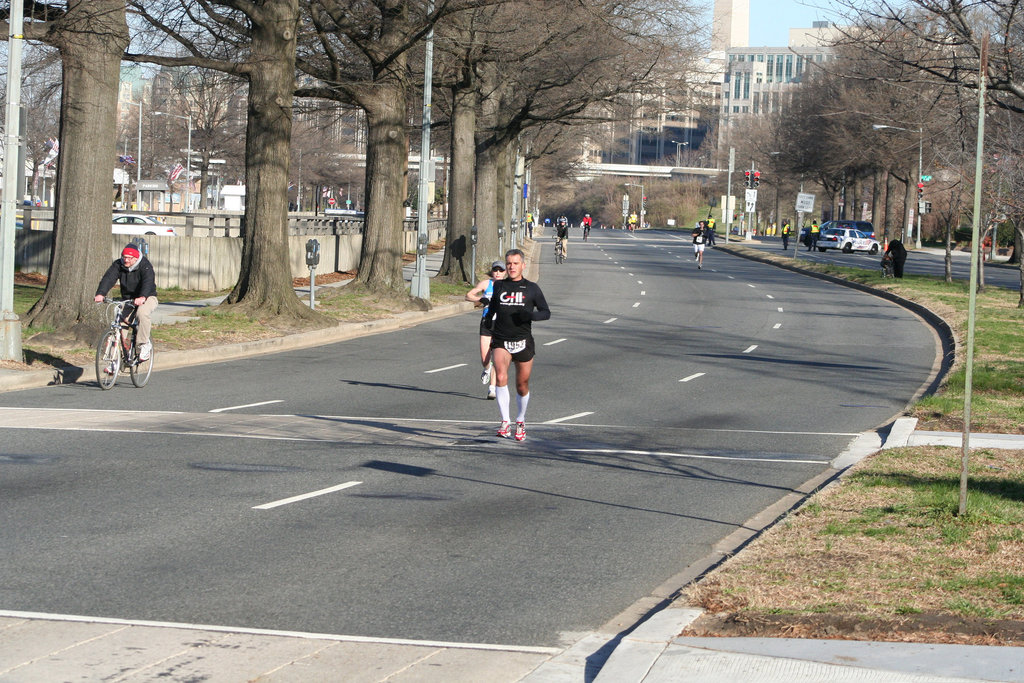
693 376
568 417
556 341
776 326
247 405
610 320
306 496
448 367
750 348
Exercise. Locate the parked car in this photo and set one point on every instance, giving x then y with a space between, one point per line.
138 224
848 240
863 226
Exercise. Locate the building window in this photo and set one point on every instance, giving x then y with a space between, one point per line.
778 68
789 67
746 86
735 109
760 58
756 102
737 84
799 64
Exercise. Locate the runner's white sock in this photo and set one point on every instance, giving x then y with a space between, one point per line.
501 394
523 402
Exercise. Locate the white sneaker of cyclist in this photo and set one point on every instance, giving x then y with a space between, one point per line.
145 350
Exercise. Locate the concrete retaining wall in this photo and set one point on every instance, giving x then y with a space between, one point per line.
212 263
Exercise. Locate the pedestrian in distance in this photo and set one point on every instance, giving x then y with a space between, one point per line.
135 274
482 294
709 232
698 243
786 230
898 253
517 303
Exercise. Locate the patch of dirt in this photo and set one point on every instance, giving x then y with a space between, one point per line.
37 279
917 628
326 278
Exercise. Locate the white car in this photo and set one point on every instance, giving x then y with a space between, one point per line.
848 240
138 224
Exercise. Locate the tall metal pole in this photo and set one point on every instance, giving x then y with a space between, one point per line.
188 167
420 286
973 295
920 170
10 326
726 209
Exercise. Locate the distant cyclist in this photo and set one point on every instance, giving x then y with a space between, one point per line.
135 274
587 222
562 233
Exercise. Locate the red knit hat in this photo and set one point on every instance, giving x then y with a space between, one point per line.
131 250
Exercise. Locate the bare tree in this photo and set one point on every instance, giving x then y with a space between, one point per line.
253 41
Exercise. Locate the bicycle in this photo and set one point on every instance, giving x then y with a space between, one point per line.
116 349
559 254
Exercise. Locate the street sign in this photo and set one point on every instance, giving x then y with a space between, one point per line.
926 178
625 205
331 201
751 198
804 202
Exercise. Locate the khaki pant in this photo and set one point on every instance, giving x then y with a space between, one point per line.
143 313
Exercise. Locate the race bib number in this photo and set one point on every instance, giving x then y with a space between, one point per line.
515 347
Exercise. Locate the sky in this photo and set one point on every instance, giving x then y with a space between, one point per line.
770 20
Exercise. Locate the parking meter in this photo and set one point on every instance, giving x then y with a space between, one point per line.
312 253
472 241
142 244
421 245
312 260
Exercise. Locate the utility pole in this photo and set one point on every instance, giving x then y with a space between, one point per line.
420 287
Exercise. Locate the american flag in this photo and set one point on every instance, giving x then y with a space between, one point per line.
175 172
126 159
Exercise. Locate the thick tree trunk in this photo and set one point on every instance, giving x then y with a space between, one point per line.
487 159
264 287
887 227
387 165
92 38
457 259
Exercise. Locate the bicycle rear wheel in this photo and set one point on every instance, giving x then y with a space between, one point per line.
140 370
108 360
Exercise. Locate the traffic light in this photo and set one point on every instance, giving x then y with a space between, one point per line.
920 191
747 176
757 178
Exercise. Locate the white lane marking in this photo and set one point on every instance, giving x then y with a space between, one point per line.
730 277
568 417
750 285
660 454
247 405
557 341
610 320
769 296
622 267
780 309
643 292
750 348
694 376
776 326
10 614
631 275
636 305
450 367
639 282
305 496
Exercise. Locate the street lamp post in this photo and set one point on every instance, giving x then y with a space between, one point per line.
678 145
920 170
188 154
138 156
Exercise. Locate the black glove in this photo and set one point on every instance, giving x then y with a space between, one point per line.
485 301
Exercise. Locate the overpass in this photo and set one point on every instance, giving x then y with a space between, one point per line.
586 171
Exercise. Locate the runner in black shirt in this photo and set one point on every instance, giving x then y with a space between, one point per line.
516 303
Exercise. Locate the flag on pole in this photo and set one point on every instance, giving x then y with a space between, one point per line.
126 159
175 172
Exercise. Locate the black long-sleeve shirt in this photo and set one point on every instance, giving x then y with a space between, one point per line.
516 303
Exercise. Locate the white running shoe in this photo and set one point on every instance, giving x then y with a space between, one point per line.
520 431
145 351
490 393
485 376
504 429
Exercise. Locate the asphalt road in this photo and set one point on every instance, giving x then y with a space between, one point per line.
669 405
999 273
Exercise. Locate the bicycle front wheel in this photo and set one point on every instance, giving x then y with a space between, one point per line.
141 369
108 360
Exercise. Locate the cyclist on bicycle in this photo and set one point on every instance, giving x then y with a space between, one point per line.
587 222
135 274
562 233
